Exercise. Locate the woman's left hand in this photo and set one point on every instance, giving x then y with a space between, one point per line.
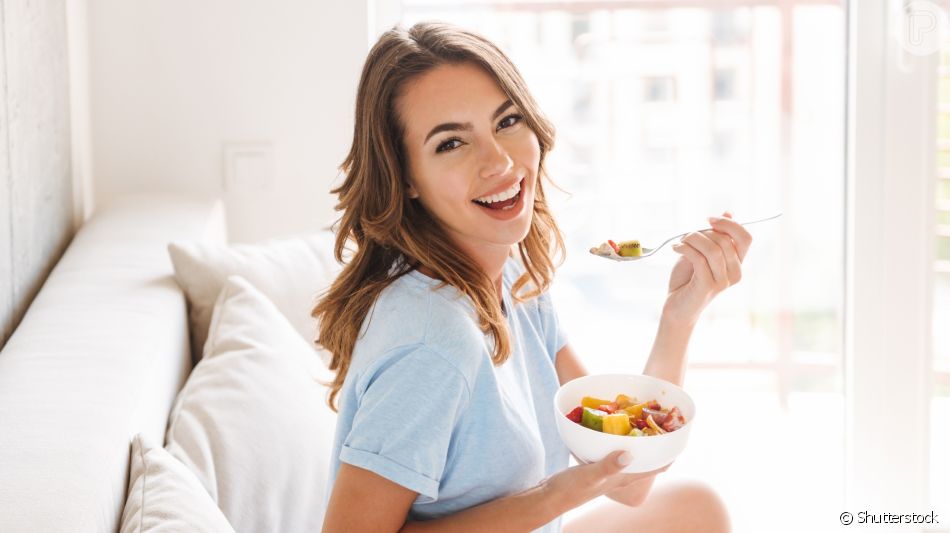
711 261
633 488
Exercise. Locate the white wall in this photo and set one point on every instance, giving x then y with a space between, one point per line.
36 192
171 82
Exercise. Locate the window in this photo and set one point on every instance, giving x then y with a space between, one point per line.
724 82
659 89
666 115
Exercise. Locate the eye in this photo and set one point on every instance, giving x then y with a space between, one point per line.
447 145
510 121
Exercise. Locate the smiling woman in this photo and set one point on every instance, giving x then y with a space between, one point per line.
462 171
444 340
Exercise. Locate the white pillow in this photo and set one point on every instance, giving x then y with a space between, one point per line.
291 272
165 496
252 420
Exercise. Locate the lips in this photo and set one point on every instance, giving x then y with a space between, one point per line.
501 203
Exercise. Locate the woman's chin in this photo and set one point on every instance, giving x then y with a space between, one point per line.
512 236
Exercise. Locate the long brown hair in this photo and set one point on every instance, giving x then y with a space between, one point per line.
392 234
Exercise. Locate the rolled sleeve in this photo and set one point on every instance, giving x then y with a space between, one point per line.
409 406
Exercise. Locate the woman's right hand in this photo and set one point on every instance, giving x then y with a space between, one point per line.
579 484
362 500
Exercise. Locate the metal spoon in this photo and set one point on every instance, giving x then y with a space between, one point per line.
647 252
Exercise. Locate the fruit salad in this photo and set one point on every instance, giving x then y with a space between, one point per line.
621 249
626 416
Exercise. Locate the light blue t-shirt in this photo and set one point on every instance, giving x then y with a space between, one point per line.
423 405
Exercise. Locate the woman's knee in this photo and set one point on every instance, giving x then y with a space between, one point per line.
702 506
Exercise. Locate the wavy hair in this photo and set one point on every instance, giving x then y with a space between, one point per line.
393 234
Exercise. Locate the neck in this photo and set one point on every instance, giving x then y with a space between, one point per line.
490 258
492 262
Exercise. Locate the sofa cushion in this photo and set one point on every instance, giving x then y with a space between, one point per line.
291 272
99 356
165 496
252 421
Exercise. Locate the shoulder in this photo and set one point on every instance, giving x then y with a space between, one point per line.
412 314
398 316
413 370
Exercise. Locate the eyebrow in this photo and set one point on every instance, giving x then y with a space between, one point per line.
467 126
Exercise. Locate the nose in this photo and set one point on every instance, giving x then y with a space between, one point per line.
495 160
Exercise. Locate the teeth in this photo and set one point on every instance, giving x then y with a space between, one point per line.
510 193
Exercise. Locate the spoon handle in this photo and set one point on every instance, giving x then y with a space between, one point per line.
667 241
759 220
740 223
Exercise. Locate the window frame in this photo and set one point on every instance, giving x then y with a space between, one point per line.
891 172
890 168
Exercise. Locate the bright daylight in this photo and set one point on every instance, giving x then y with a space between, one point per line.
475 265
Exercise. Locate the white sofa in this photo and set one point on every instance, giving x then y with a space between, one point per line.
99 357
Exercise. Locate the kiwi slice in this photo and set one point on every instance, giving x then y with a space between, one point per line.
593 419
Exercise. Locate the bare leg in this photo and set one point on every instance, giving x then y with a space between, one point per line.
678 506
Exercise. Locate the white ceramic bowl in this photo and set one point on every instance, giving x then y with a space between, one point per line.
649 452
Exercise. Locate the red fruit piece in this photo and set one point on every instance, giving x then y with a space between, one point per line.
614 246
674 421
609 408
658 416
575 415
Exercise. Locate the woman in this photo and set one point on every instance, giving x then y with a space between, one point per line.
446 347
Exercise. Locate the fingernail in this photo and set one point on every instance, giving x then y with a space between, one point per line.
677 247
624 459
713 220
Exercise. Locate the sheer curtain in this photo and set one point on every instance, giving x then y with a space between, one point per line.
668 115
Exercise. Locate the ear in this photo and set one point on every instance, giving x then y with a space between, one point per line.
411 191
